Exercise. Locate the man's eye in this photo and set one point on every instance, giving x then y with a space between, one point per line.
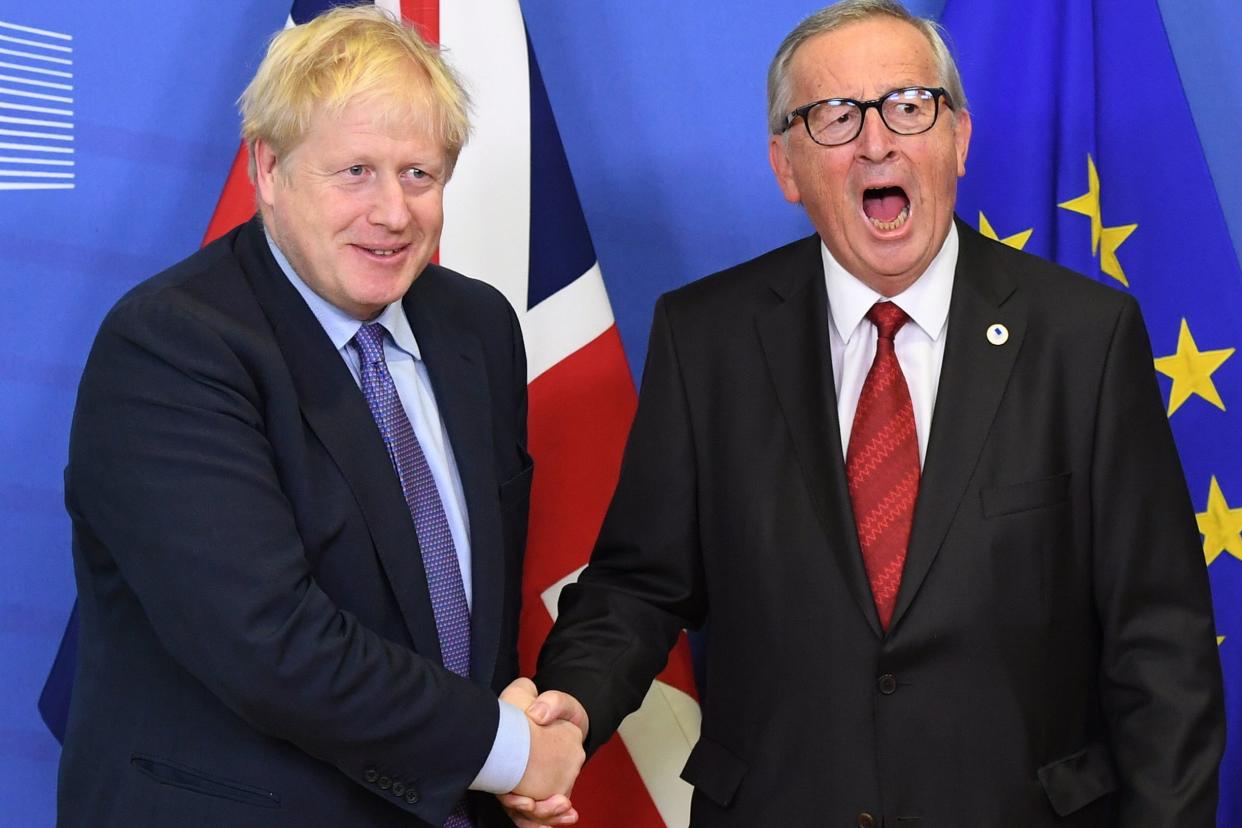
356 169
416 173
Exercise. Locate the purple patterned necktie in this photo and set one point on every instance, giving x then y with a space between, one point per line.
448 595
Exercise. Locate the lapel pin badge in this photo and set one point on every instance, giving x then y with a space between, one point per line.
998 334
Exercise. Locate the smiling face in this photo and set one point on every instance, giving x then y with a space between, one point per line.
357 205
882 203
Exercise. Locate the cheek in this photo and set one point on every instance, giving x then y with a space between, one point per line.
428 211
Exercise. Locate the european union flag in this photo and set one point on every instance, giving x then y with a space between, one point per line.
1085 152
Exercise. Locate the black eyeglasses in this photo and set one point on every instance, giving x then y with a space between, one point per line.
835 121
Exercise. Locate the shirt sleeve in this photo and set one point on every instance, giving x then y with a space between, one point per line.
506 763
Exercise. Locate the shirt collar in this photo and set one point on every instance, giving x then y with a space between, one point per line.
926 301
337 324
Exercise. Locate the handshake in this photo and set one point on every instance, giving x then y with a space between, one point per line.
558 727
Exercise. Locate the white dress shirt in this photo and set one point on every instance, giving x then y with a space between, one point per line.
919 344
506 763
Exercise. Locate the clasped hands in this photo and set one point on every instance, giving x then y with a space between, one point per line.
558 727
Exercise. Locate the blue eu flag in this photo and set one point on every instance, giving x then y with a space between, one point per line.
1084 152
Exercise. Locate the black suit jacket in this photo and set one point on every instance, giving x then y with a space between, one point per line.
257 641
1051 659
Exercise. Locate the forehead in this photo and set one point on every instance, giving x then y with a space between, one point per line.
862 60
390 114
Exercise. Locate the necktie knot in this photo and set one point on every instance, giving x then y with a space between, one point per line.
370 342
887 318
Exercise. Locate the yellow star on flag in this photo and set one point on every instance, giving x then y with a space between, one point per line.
1220 525
1017 241
1110 238
1220 639
1191 371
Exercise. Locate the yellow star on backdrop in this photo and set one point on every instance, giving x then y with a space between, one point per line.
1220 525
1191 371
1220 639
1110 238
1017 241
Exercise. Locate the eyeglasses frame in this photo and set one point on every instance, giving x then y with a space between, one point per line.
877 104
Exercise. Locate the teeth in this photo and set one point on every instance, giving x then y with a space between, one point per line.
380 252
895 223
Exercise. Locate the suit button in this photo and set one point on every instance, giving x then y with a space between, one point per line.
411 796
384 782
398 788
866 820
888 686
370 774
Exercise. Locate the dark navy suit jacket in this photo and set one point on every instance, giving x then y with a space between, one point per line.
257 641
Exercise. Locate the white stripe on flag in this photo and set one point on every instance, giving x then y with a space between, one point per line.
565 321
487 204
393 7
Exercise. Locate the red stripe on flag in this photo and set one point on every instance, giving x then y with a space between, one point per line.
236 202
425 15
580 414
609 792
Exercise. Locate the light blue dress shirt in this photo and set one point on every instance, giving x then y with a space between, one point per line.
511 749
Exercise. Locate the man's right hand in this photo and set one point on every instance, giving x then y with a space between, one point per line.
556 757
558 726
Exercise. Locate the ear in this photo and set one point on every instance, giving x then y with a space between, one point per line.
961 137
782 166
265 172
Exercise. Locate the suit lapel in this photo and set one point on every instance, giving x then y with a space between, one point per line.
338 414
454 359
972 382
794 337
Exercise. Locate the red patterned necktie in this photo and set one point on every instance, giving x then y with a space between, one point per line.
882 464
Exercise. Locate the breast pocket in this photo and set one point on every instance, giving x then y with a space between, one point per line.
1026 496
516 490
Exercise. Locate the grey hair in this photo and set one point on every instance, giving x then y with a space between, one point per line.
838 15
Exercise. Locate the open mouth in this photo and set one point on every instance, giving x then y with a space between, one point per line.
887 208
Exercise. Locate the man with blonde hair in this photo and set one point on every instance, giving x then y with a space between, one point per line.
298 483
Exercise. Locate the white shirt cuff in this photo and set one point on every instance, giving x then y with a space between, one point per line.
506 764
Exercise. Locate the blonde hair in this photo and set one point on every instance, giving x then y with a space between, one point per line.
341 55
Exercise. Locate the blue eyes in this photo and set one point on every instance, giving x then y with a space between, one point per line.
359 170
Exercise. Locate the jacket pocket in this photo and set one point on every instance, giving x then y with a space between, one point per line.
180 776
1079 779
1022 497
516 489
714 771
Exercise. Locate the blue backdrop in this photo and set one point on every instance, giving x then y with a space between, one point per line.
661 108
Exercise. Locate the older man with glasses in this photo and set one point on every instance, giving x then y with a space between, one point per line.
922 487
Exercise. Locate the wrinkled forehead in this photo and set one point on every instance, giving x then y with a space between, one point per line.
863 60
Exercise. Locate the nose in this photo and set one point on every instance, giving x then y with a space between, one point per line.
876 142
389 208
